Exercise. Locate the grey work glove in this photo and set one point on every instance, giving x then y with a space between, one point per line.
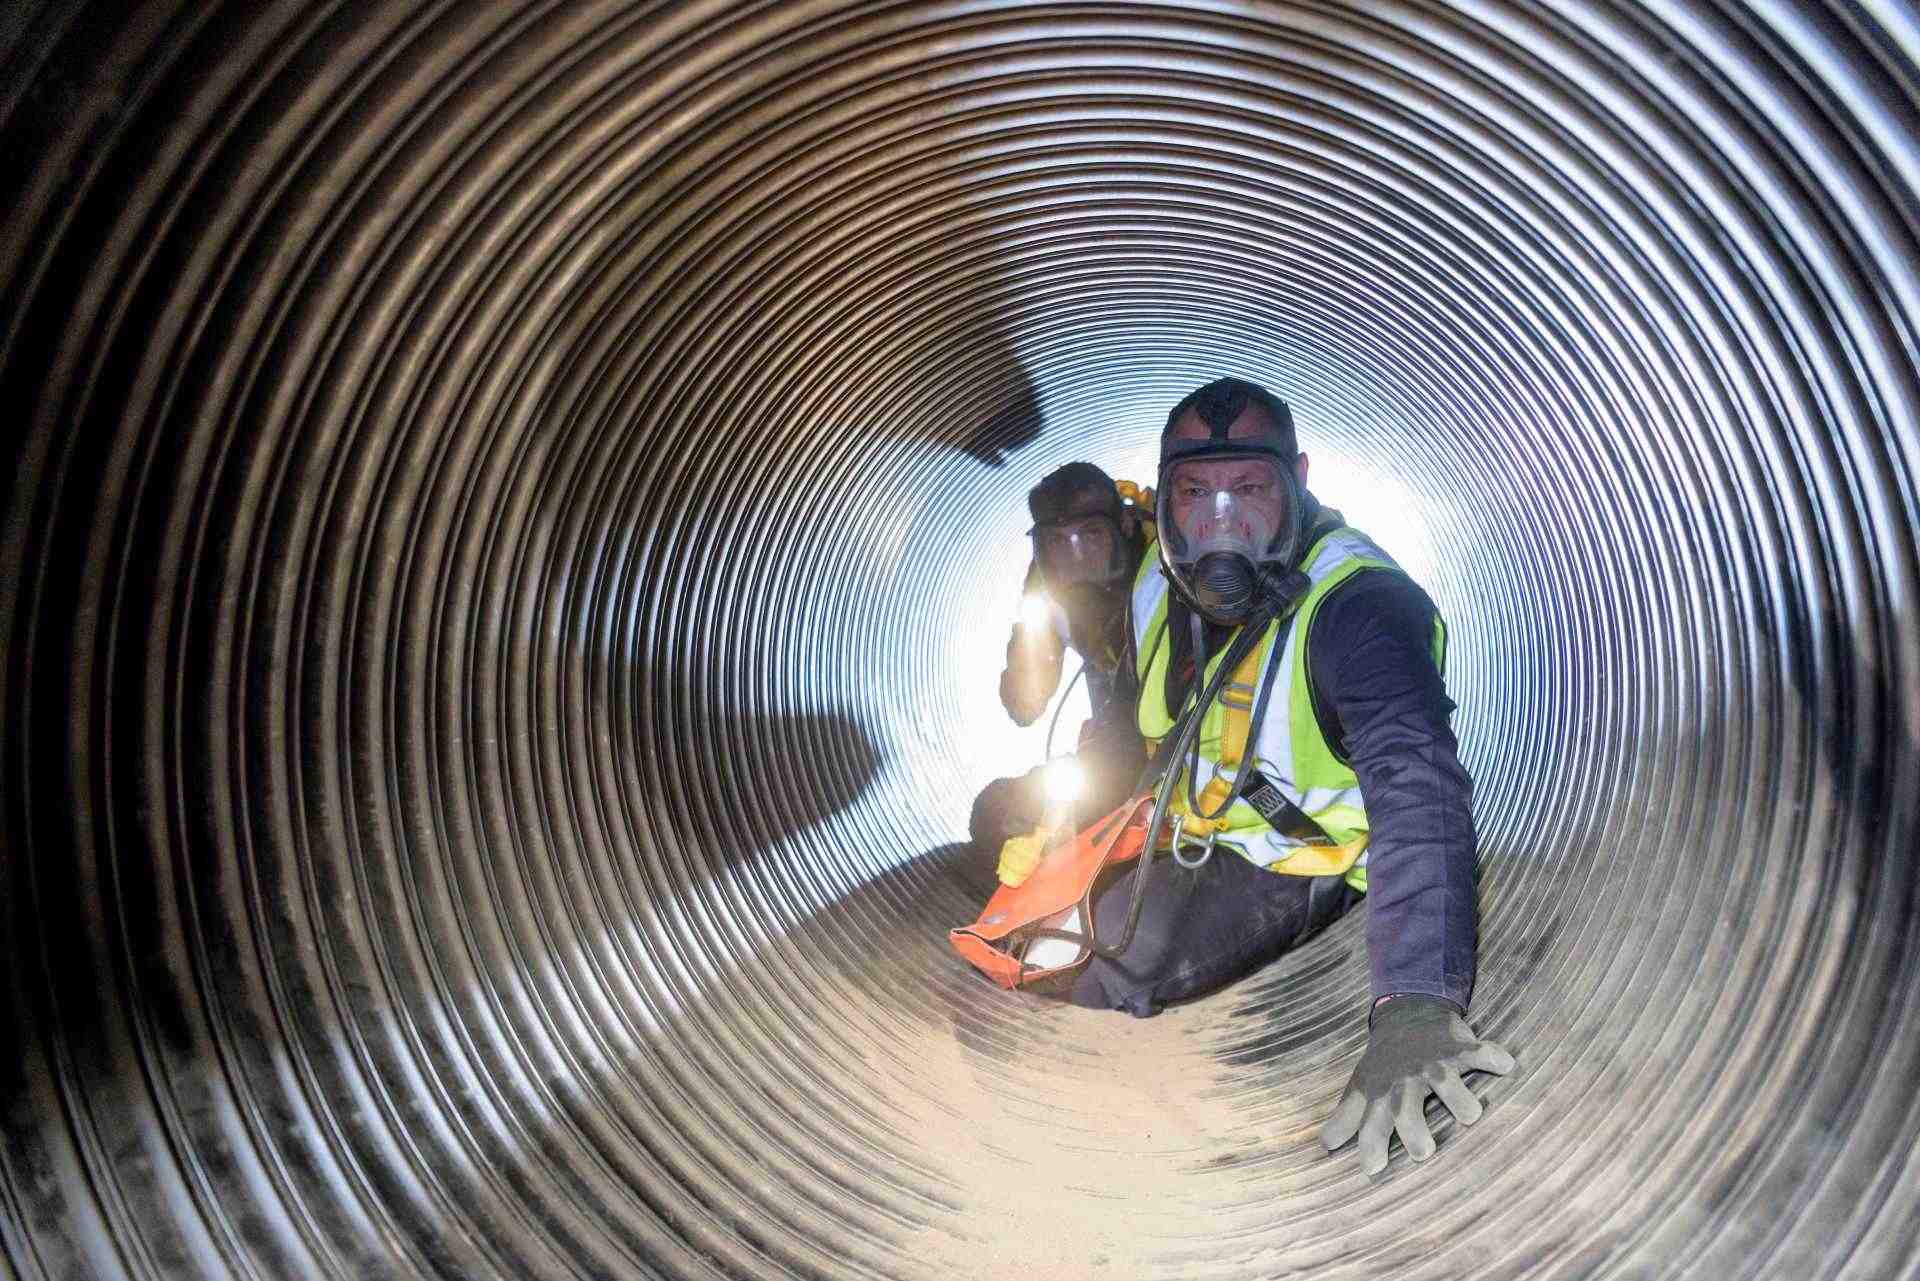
1418 1046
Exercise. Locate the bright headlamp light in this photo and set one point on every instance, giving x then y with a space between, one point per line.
1065 782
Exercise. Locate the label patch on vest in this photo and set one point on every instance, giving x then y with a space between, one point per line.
1282 815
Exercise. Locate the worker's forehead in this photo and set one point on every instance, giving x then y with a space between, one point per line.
1218 470
1096 522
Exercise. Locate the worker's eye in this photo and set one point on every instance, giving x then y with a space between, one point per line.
1250 489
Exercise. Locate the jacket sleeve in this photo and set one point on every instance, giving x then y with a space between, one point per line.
1374 678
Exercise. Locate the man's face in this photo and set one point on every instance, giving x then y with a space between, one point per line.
1238 500
1077 550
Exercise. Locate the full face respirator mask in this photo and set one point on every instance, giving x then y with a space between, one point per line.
1231 510
1085 545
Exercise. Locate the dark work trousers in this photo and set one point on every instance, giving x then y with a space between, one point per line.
1200 929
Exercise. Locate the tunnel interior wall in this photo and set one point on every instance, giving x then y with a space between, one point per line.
511 530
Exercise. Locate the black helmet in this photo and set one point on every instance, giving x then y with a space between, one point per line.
1077 489
1218 406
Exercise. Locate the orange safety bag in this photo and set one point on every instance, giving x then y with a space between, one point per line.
1057 896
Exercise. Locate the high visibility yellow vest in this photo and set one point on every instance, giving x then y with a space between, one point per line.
1292 752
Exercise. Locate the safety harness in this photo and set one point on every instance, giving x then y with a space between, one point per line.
1045 926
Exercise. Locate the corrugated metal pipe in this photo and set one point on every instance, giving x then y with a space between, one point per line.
512 519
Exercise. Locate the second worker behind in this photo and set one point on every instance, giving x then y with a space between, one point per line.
1087 542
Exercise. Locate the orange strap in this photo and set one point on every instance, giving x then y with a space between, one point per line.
1061 884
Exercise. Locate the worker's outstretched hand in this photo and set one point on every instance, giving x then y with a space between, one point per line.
1418 1046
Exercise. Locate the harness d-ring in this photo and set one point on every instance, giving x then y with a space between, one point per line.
1206 851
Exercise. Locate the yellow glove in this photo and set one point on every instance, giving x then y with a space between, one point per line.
1021 854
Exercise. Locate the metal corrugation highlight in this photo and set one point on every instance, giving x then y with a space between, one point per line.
513 514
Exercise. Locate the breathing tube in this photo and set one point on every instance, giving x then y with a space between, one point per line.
1280 593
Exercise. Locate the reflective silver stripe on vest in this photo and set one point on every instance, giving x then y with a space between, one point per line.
1147 595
